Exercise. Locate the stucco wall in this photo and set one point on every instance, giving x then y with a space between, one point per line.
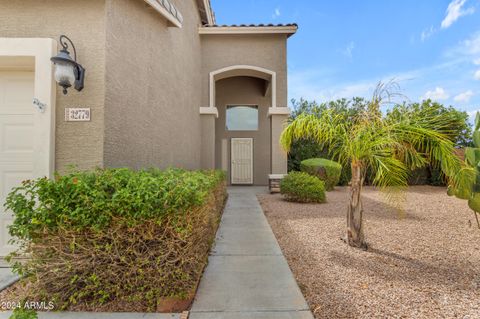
238 91
153 87
279 155
83 21
266 51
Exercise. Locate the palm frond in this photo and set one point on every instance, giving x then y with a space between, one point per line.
327 130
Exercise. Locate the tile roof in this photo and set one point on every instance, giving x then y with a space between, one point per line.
270 25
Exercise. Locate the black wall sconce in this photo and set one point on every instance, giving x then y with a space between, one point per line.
67 70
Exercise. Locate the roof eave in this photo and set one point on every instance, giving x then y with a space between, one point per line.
206 11
288 30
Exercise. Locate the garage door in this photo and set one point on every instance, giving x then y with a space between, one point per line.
17 136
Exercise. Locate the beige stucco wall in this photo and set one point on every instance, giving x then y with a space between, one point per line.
83 21
278 154
208 142
145 81
266 51
238 91
153 87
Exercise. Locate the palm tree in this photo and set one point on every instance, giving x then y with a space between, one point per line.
389 148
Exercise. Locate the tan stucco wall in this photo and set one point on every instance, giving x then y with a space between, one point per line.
238 91
153 89
278 155
148 79
266 51
83 21
208 142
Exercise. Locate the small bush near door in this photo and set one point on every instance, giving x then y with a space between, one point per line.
327 170
137 239
303 188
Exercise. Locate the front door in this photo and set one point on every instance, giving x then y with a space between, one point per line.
241 157
18 130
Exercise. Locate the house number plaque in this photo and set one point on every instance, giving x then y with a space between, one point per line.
77 114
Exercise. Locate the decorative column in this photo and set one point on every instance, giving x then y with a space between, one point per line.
208 115
278 120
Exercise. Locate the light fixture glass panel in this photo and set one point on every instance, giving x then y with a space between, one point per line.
242 118
64 73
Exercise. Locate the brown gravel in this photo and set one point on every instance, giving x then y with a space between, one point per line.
423 264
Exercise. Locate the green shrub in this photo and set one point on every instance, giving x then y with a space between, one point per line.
116 234
22 313
327 170
302 187
301 150
84 200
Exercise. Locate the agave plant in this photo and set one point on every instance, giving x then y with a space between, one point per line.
468 178
390 148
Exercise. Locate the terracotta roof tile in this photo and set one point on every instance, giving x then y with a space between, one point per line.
249 25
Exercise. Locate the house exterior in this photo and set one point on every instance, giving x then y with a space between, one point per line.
164 86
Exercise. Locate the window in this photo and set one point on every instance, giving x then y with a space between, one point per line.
242 118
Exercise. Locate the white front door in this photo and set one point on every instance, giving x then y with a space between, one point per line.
241 161
18 129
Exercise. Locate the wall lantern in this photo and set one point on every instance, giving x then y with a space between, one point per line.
67 71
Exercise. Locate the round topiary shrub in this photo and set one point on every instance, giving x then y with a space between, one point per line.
327 170
302 187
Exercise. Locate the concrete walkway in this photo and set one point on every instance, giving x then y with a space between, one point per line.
97 315
7 277
247 275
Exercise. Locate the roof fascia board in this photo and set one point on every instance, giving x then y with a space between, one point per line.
248 30
209 11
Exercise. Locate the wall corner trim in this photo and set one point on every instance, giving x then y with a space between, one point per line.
278 111
41 49
209 111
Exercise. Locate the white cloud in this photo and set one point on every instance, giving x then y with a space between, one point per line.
427 33
437 95
468 50
276 13
463 97
477 75
310 85
455 11
476 61
472 45
348 51
313 85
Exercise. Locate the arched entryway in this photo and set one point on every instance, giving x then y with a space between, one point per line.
247 123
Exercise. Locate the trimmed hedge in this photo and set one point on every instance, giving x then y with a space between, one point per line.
327 170
116 235
303 188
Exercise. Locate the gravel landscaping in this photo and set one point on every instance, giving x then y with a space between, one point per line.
424 263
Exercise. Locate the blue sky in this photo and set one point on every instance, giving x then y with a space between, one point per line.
344 47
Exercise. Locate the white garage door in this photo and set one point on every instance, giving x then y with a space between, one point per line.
17 138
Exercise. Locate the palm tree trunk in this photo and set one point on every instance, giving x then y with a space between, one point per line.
476 217
355 236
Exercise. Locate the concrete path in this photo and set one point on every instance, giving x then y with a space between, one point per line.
247 276
96 315
6 277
